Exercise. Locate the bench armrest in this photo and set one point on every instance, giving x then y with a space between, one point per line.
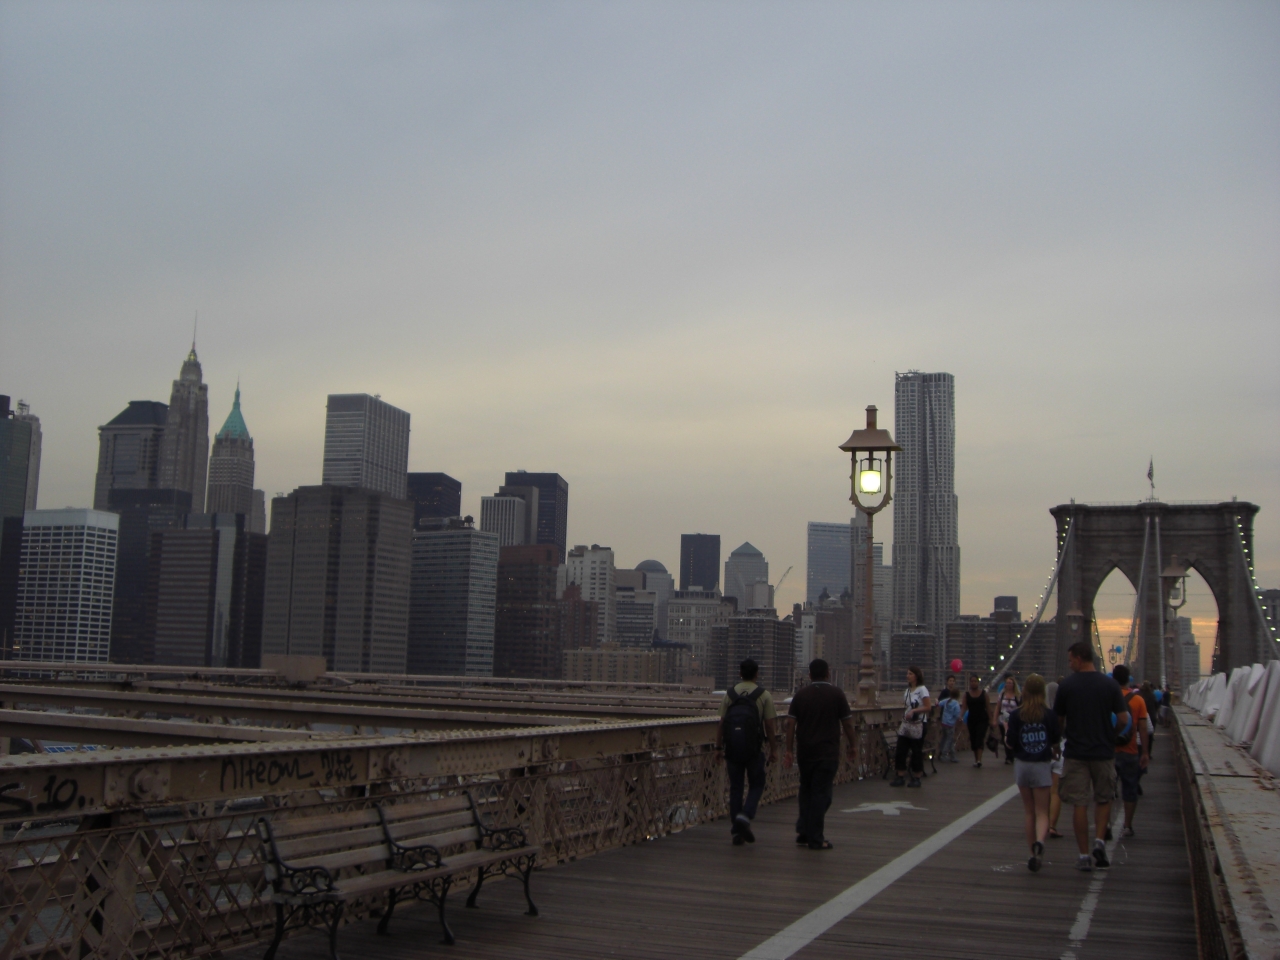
291 880
504 838
408 858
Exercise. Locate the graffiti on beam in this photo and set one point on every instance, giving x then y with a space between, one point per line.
59 795
250 773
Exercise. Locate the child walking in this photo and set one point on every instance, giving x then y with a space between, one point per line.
1032 739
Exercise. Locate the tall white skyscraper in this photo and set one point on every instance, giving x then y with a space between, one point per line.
592 569
926 548
366 444
65 587
745 568
504 516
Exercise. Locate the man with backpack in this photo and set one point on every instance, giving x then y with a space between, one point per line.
1130 763
746 727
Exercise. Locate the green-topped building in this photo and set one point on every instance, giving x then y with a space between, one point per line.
231 469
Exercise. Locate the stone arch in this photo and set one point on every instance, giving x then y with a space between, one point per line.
1202 535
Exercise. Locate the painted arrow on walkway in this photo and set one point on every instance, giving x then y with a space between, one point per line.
891 809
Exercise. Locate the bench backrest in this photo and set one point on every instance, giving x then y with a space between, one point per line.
355 837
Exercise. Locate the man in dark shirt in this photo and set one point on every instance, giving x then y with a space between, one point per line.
818 712
1086 701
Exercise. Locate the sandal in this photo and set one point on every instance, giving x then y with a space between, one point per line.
824 845
1054 834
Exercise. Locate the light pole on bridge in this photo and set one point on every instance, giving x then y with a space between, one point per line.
871 476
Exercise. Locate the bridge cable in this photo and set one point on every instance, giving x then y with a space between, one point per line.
1138 594
1044 602
1159 575
1269 651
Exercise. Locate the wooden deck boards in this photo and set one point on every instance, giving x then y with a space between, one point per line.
694 895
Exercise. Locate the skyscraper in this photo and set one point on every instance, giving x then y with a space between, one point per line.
204 602
24 415
64 591
366 444
231 467
828 560
926 549
511 513
142 513
634 609
553 505
16 497
184 449
592 569
745 568
337 580
527 641
699 561
663 586
129 450
435 496
452 600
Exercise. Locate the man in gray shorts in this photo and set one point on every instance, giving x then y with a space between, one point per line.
1085 703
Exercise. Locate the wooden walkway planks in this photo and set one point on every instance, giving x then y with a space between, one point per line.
694 895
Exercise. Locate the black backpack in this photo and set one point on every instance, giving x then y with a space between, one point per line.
742 727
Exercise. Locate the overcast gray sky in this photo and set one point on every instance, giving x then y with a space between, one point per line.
670 250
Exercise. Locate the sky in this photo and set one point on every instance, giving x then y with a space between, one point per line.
670 251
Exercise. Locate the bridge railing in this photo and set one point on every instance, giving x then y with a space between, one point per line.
147 853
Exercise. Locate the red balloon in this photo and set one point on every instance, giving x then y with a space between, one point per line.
957 666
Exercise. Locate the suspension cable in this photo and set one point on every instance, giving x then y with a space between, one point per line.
1044 602
1137 597
1270 651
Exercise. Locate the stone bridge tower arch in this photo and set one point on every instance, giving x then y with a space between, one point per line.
1210 537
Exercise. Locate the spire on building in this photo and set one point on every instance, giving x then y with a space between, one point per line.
234 427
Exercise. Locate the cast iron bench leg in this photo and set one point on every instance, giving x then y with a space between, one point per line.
475 891
528 870
275 943
391 908
444 925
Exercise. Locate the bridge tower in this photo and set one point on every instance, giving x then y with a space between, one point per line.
1142 539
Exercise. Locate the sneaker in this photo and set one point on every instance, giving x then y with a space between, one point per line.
977 763
742 827
1100 855
1037 852
897 782
1084 863
954 760
913 782
1127 832
1108 836
737 840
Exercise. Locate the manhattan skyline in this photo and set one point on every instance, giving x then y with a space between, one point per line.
614 272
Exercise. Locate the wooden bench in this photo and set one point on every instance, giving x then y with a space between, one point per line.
413 849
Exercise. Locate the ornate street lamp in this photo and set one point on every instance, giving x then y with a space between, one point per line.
1175 575
871 451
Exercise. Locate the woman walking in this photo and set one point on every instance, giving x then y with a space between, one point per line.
915 707
1008 703
977 717
1055 801
1032 739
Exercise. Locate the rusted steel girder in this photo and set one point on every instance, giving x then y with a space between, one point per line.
272 709
79 782
130 732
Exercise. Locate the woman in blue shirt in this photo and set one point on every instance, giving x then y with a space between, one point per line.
1032 738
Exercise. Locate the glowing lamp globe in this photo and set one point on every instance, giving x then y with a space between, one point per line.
869 479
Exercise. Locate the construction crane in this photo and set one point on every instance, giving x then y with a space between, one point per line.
782 578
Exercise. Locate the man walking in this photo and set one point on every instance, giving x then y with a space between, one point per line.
746 725
1085 702
818 712
951 712
1130 762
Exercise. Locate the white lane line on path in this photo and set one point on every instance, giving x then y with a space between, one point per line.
817 922
1084 916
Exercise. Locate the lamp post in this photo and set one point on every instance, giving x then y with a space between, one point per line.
871 477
